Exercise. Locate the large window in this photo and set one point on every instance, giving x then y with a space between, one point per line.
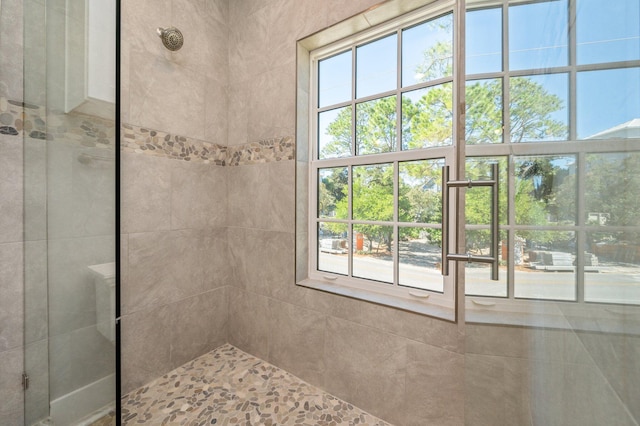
382 111
552 94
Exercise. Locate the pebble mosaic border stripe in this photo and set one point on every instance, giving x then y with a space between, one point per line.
141 140
266 151
163 144
230 387
23 119
19 118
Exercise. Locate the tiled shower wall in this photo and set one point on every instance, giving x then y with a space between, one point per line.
174 204
11 214
402 367
208 250
405 368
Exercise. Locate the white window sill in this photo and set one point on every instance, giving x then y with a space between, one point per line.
487 311
418 306
587 317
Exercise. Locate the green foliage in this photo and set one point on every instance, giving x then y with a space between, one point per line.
376 126
427 120
484 112
611 187
530 109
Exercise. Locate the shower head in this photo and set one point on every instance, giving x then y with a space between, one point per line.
171 38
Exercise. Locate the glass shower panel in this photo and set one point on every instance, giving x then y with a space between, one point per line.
557 341
70 210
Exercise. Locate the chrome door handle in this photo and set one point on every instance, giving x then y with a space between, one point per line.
448 184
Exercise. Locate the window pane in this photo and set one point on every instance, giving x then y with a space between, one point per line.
372 256
538 108
420 191
538 34
607 31
427 117
376 126
333 193
377 66
614 260
484 111
484 41
334 79
478 199
334 133
333 248
608 104
611 196
478 280
420 256
373 192
427 51
545 265
545 190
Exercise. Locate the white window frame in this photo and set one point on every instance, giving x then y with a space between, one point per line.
572 146
440 304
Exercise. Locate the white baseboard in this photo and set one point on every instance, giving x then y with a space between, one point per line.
72 408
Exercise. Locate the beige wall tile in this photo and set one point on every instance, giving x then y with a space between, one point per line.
11 368
296 341
366 367
617 357
36 298
272 102
434 386
216 107
249 196
496 391
146 193
146 346
198 195
282 196
37 396
199 325
215 258
168 96
11 188
238 109
164 267
11 296
35 189
249 322
248 46
11 46
262 260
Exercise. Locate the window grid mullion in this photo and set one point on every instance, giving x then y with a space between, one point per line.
511 215
395 253
398 146
580 236
353 103
573 115
350 233
506 92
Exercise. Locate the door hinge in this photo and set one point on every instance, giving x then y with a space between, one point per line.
25 381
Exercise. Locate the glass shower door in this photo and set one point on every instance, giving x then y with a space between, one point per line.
70 211
553 97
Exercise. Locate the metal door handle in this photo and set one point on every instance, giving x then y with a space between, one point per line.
446 256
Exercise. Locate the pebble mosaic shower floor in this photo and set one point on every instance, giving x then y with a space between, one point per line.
229 387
